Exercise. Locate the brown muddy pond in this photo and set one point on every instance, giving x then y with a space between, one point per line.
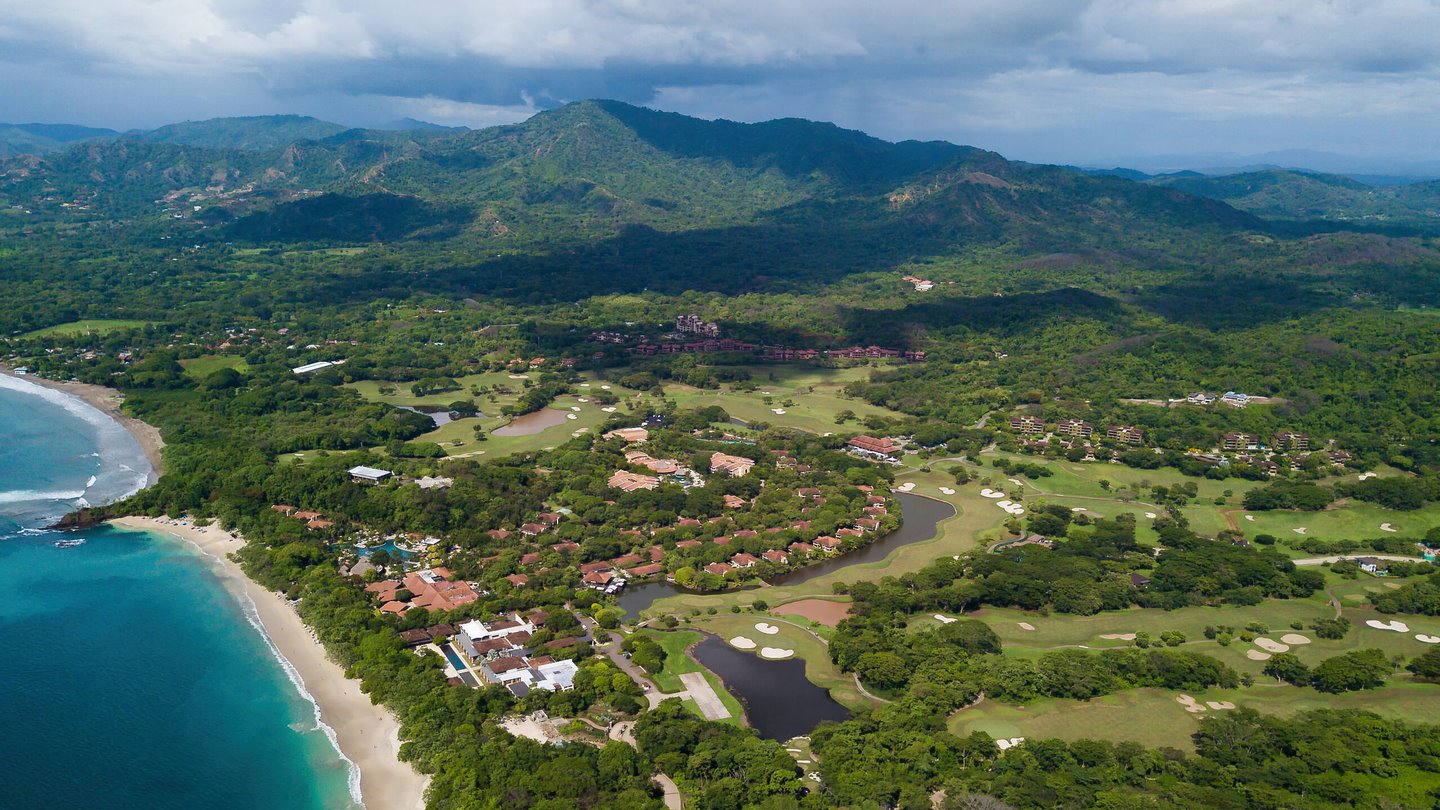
532 423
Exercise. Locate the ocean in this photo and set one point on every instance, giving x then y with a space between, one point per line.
130 677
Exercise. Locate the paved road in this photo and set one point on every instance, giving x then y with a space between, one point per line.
672 791
698 688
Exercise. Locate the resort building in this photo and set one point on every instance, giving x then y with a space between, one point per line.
884 448
368 475
629 481
633 434
1200 398
1027 424
734 466
1286 440
1075 428
1239 441
1125 434
1235 399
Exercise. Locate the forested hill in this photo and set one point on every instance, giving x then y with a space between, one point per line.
1285 194
251 133
588 170
39 139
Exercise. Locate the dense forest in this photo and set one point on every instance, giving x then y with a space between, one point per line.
421 257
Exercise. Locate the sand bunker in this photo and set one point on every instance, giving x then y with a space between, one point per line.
1119 636
767 629
1269 645
1256 655
1219 704
584 385
1017 482
1011 507
775 653
943 619
571 416
946 491
778 411
608 409
1424 639
582 399
1294 638
1250 518
1191 704
519 376
990 493
1300 530
816 610
605 387
1398 627
1025 625
906 487
1366 475
1006 743
1150 515
574 407
742 643
1386 527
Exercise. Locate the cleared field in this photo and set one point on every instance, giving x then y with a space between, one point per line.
1152 717
98 326
812 393
205 365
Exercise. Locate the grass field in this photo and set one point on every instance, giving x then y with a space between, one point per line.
1076 484
458 438
1153 718
97 326
678 662
203 366
813 394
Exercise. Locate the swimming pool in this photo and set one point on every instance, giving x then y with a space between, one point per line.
455 659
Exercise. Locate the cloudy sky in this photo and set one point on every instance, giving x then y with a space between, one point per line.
1083 81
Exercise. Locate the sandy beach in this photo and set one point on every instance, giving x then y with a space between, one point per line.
107 401
367 734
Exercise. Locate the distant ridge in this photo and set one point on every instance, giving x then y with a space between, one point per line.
251 133
40 139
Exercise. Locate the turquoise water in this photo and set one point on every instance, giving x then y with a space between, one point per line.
129 676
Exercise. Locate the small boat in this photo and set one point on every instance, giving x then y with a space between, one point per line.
71 543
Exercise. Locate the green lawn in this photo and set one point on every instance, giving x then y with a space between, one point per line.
98 326
813 393
1153 718
678 662
203 366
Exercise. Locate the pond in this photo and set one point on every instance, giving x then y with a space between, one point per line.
779 701
532 423
439 415
922 515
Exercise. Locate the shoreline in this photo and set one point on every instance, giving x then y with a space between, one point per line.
107 401
366 734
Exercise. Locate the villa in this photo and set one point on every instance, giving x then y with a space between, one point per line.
734 466
368 475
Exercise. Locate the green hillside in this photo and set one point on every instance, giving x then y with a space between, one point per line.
1282 194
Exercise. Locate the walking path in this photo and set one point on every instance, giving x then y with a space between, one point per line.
672 791
866 692
697 688
1333 560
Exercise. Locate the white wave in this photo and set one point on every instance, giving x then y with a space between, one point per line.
31 495
91 482
252 615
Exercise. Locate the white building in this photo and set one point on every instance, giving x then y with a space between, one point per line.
310 368
368 475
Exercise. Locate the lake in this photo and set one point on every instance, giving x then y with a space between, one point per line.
532 423
922 515
779 701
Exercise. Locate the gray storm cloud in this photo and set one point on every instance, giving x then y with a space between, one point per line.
1051 78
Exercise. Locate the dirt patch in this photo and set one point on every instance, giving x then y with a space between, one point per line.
823 611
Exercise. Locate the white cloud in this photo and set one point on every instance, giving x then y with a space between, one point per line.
966 68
